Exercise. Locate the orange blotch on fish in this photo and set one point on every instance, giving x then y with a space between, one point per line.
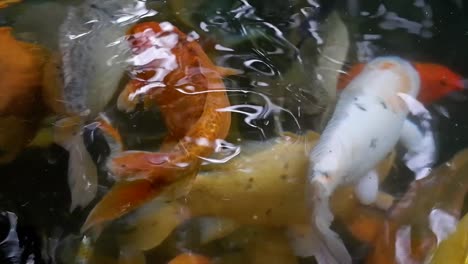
437 80
190 258
6 3
166 60
405 234
386 65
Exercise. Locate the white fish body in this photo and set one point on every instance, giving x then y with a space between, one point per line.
94 51
364 128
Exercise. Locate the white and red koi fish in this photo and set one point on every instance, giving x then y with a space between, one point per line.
365 127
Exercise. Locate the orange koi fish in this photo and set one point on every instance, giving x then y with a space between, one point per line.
173 72
437 80
21 105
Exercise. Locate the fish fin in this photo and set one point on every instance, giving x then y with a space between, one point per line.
150 225
133 165
223 71
111 134
367 188
419 143
301 240
324 244
128 100
384 201
82 172
124 197
43 138
65 129
213 228
10 245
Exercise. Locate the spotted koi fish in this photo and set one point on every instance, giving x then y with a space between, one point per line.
365 127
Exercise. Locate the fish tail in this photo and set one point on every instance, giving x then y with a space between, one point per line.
111 135
123 198
326 245
82 172
153 166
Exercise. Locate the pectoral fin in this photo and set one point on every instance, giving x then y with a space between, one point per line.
319 239
124 197
228 71
367 188
419 143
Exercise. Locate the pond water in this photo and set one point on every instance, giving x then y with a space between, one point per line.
81 87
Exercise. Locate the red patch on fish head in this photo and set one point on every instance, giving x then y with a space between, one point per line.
139 36
144 35
437 81
386 65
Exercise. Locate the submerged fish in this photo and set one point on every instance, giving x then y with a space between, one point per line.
94 51
94 58
365 127
455 248
272 174
21 107
437 80
173 72
420 220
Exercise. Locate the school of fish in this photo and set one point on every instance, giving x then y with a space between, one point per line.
376 109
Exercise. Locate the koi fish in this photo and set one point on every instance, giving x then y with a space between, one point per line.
21 107
437 80
85 76
174 73
94 53
270 173
420 220
364 128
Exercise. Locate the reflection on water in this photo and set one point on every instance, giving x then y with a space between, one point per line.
111 84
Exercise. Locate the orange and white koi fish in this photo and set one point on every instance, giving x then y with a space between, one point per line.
365 127
437 80
174 73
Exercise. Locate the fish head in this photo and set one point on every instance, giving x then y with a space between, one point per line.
387 76
380 65
145 35
438 81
